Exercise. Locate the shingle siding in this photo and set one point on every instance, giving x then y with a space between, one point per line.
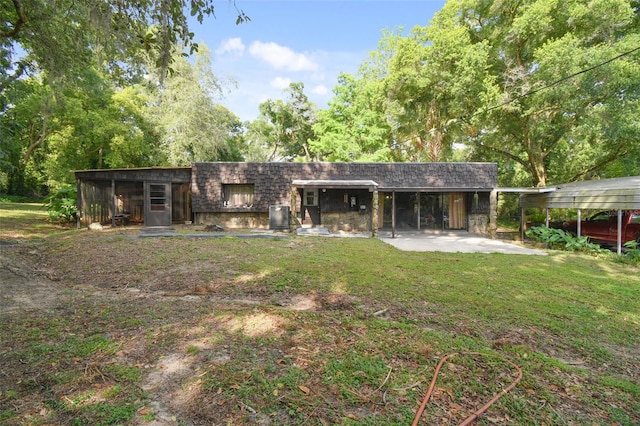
273 180
177 175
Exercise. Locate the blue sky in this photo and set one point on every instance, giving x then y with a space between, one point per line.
309 41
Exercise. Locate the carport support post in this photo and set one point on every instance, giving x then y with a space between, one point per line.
579 229
619 231
493 214
546 217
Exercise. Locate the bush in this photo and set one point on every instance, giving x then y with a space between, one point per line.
632 251
61 205
557 239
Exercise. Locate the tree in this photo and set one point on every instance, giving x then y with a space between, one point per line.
191 126
98 127
432 75
27 120
286 127
353 128
553 101
121 36
84 125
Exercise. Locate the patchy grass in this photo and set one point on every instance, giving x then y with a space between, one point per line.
313 331
25 221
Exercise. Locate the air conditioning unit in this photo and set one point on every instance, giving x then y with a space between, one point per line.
279 217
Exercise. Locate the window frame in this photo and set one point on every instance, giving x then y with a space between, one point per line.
305 196
238 195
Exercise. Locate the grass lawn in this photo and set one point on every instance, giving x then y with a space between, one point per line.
104 328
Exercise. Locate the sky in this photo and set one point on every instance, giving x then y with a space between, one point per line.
308 41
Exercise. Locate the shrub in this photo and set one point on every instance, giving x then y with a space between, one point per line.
632 251
558 239
61 205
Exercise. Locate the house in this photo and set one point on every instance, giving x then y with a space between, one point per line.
348 197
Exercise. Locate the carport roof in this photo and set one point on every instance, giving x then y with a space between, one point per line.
615 194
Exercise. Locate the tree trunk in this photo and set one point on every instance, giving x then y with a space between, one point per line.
537 168
34 141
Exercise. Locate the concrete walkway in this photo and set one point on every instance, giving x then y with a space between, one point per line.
452 242
409 240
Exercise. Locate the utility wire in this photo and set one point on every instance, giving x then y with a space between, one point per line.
555 83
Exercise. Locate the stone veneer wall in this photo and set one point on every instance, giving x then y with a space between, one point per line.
247 220
347 221
479 224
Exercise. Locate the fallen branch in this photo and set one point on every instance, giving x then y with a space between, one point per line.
478 412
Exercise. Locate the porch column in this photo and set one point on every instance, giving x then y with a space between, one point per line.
418 213
374 214
79 202
493 214
293 209
114 203
393 214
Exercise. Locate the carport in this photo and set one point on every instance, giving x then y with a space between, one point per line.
605 194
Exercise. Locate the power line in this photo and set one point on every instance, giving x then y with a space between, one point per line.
555 83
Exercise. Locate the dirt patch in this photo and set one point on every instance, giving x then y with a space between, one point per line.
28 284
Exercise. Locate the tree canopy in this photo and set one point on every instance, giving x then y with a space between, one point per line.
121 36
548 89
551 86
83 83
284 127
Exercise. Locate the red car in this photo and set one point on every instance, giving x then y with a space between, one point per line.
602 227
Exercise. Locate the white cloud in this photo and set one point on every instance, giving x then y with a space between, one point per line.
281 57
230 45
320 89
280 82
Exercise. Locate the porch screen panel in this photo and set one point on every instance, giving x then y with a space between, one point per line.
457 210
238 195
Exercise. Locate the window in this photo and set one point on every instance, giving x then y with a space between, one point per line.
238 195
602 217
310 197
157 197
